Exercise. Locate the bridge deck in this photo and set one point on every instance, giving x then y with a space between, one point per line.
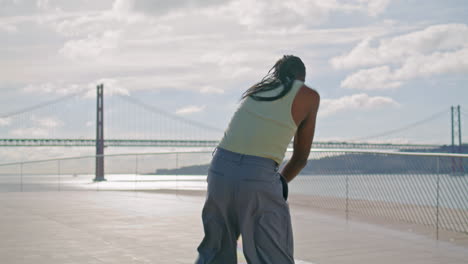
51 142
148 227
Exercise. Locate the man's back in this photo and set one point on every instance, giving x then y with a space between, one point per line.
263 128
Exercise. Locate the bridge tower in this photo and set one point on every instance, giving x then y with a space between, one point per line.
100 134
457 164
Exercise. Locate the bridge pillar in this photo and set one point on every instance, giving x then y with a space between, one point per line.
457 163
100 134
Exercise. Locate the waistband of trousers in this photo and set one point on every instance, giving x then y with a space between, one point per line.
244 158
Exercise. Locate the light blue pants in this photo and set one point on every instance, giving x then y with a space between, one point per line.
245 196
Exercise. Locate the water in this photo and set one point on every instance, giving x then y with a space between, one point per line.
402 189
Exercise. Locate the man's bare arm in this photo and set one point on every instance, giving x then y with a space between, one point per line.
302 141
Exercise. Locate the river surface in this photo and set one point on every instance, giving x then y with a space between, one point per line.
445 190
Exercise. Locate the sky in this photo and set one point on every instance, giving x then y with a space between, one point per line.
379 65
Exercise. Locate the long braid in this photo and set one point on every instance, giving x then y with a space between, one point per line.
282 73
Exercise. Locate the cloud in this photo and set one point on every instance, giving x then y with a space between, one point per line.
435 50
17 7
119 18
9 28
436 38
354 102
211 89
5 121
276 13
123 42
29 132
374 7
47 122
378 78
384 77
111 86
163 7
190 109
92 46
222 58
295 14
123 6
50 87
88 90
40 127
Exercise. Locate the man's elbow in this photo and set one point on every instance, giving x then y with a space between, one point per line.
300 162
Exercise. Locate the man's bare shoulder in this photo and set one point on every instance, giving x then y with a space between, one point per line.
310 93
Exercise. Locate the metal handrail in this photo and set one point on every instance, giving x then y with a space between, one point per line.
105 155
428 154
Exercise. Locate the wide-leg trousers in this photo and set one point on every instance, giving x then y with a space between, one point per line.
245 196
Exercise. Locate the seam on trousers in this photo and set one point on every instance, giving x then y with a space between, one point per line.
271 237
209 248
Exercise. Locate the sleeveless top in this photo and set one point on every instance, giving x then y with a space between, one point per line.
262 128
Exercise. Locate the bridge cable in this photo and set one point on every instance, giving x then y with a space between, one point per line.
43 104
165 113
417 123
464 113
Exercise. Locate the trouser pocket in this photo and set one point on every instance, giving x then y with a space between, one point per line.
284 184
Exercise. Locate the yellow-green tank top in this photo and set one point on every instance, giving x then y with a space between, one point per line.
262 128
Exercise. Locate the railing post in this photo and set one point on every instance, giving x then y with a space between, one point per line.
347 197
97 182
177 174
136 175
58 172
21 176
437 198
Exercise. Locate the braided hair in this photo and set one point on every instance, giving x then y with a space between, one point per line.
284 72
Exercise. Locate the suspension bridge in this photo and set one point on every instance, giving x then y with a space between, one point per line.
165 129
131 122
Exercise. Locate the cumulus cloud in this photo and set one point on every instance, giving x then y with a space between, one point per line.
277 13
125 41
372 79
446 37
190 109
294 14
384 77
438 49
92 46
360 101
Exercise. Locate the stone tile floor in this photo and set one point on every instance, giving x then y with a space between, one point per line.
151 227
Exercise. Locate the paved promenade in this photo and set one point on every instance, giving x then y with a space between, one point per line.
147 227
